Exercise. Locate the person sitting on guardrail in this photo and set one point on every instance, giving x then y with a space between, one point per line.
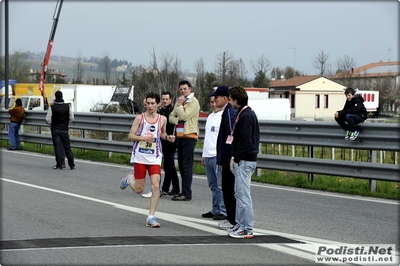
353 113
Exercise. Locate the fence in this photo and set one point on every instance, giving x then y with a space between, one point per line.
373 138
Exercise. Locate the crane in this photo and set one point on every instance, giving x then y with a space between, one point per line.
48 51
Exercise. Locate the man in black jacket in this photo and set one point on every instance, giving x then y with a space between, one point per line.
224 151
59 115
353 113
168 150
246 139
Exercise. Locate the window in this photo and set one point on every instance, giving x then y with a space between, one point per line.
317 101
292 105
326 101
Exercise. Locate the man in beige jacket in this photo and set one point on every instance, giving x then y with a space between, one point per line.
186 118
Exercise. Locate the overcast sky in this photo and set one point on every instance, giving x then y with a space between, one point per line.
287 33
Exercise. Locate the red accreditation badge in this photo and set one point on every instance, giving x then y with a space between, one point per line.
229 139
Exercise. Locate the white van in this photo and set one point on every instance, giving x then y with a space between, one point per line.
271 109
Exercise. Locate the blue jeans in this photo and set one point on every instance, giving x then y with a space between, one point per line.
349 122
185 161
214 178
244 204
170 174
13 135
61 143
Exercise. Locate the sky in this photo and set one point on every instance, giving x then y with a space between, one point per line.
287 33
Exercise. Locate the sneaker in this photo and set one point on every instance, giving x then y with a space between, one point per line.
173 193
241 234
55 167
207 215
147 195
181 198
354 135
233 229
125 181
347 137
152 222
225 225
219 217
163 193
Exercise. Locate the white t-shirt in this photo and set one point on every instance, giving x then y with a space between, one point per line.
213 123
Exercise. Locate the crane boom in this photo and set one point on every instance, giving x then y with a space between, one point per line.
48 51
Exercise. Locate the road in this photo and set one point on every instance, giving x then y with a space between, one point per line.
53 217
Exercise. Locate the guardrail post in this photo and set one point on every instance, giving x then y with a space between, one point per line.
259 170
39 129
110 139
372 183
310 155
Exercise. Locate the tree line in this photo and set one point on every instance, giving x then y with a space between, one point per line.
164 73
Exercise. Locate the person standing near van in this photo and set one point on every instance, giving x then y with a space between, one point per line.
17 115
59 115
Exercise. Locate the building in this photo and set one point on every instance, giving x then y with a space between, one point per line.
311 97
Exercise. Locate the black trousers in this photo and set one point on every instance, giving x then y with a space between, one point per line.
228 192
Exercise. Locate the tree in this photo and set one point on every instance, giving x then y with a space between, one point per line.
105 67
79 70
221 66
167 73
202 91
344 71
320 63
18 67
260 67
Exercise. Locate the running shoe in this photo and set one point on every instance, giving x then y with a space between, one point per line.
225 225
125 181
152 222
241 234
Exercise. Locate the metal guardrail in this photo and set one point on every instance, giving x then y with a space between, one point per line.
374 137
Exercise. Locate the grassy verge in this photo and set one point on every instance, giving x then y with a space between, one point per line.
385 189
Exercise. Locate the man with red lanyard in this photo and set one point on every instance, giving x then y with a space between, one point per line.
245 142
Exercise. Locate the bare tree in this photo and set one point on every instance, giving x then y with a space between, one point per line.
222 66
320 62
79 70
260 68
167 73
202 91
18 67
344 72
105 66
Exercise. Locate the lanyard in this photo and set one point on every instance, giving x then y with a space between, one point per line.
237 118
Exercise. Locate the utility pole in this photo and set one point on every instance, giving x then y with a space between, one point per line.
294 60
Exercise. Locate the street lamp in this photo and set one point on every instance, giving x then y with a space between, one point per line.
294 64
